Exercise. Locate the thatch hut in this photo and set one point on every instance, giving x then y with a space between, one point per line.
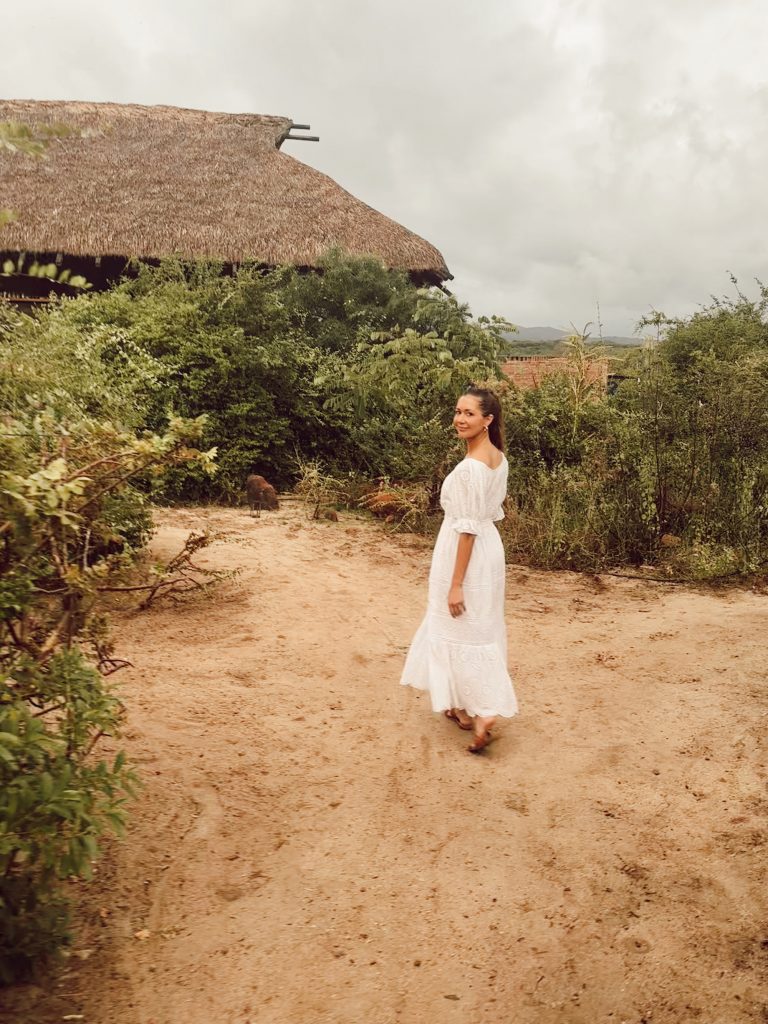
131 181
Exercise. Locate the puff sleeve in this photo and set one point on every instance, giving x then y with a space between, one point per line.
468 500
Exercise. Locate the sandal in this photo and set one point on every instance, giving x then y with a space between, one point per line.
480 742
466 726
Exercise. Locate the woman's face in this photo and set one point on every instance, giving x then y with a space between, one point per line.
468 418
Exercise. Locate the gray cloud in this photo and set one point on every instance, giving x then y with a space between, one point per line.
558 152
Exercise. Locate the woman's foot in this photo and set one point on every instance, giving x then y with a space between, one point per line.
482 728
460 717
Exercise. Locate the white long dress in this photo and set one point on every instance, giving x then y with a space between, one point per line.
462 661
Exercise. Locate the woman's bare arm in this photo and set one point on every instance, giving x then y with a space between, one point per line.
456 593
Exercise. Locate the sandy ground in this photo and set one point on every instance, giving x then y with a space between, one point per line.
313 845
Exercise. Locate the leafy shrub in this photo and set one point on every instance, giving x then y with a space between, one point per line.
75 365
63 498
348 366
357 370
672 469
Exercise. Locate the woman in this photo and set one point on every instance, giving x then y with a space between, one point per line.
459 652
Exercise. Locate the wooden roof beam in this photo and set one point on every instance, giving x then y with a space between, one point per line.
301 138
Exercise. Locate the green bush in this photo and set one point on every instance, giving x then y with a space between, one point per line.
345 366
356 369
671 470
64 499
75 365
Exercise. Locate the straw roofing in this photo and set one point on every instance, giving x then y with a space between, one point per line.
158 181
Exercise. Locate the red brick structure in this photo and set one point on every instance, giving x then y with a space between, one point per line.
529 371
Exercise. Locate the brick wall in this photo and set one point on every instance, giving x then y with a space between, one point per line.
529 371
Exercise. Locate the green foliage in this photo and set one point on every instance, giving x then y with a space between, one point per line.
321 490
54 804
705 421
68 360
50 271
222 346
63 509
32 140
671 470
348 301
395 390
728 329
347 366
357 370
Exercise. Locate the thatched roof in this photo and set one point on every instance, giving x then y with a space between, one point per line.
159 181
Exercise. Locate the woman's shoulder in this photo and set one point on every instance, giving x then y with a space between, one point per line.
500 458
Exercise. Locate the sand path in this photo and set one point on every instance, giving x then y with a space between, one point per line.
313 845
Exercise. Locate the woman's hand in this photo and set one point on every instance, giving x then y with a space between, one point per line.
456 604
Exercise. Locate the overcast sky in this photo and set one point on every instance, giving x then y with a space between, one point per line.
557 152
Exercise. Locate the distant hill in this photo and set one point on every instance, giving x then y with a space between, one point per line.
538 334
534 335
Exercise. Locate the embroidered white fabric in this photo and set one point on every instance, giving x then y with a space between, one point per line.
462 662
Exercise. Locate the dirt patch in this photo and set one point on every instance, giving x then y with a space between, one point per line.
312 844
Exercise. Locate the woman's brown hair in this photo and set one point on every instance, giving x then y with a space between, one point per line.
489 406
